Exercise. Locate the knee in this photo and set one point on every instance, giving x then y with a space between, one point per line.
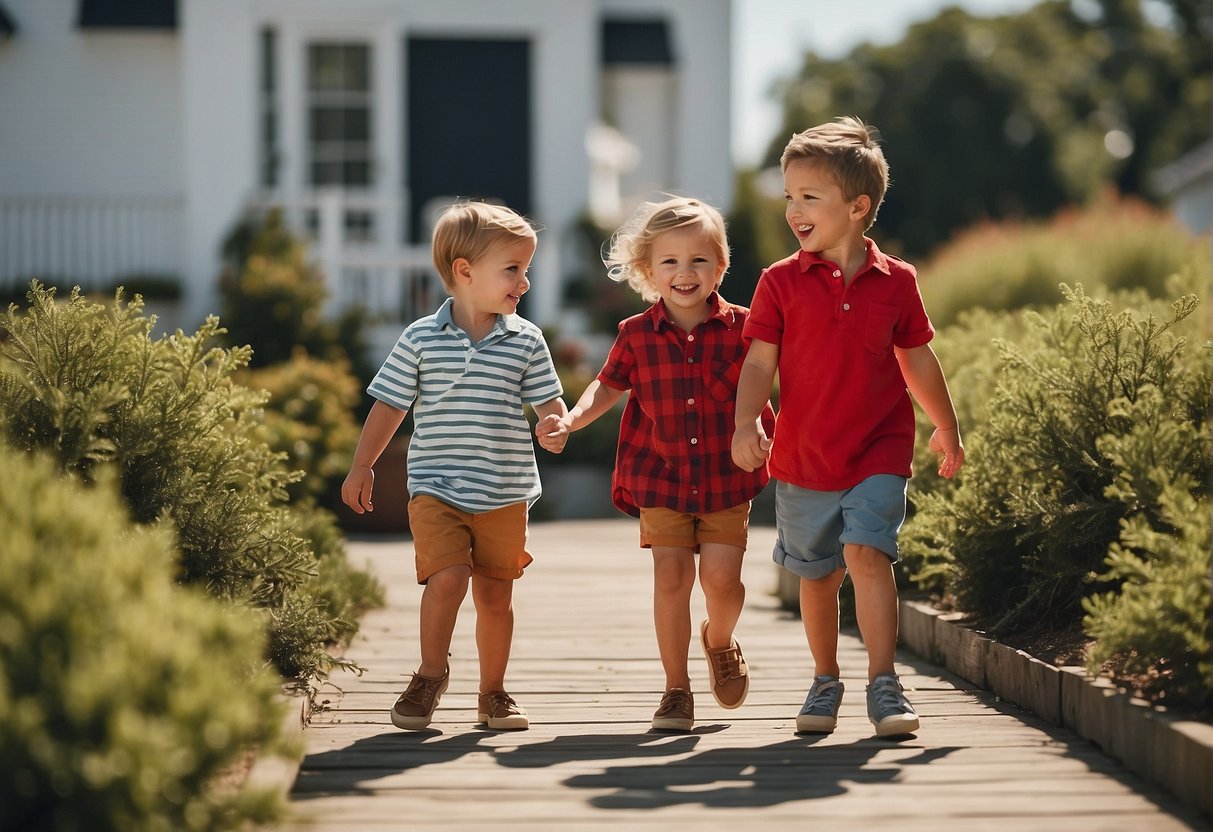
867 563
450 584
673 576
718 582
492 595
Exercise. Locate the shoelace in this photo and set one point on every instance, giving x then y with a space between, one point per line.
727 662
499 701
423 693
889 697
675 700
823 700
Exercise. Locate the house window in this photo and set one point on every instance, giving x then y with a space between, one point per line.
339 114
128 14
269 153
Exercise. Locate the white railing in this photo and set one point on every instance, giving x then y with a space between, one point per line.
355 238
92 241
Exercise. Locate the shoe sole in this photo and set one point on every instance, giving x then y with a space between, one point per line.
745 691
893 726
672 724
416 723
809 724
514 722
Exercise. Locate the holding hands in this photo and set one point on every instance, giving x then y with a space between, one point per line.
552 431
751 446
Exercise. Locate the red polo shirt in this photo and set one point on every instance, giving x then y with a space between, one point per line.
676 432
844 411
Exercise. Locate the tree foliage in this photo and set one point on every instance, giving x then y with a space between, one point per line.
1019 115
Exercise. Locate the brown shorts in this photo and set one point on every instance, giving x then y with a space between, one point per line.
492 543
666 527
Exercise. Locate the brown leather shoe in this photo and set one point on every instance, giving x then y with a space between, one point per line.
499 711
415 707
676 711
730 675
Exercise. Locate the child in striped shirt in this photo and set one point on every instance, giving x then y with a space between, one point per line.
466 372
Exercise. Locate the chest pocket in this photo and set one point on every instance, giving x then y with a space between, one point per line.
723 382
879 326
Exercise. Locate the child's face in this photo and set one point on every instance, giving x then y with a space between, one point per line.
817 212
498 279
684 268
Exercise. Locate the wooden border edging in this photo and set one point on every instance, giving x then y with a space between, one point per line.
1175 753
277 772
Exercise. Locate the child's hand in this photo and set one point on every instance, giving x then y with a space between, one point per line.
751 447
946 442
552 433
356 490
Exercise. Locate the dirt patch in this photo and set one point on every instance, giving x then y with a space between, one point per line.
1065 647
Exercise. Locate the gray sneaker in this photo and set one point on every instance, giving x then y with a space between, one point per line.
888 708
820 712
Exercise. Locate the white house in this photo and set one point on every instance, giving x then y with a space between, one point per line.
137 133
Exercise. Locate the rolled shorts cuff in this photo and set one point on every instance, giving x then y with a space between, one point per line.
887 545
810 569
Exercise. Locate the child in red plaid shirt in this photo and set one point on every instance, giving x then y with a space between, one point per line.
681 360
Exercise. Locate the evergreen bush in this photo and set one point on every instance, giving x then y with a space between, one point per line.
1023 536
123 698
89 385
309 418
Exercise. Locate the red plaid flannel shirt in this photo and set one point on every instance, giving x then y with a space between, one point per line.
676 432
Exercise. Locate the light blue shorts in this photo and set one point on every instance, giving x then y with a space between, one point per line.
813 526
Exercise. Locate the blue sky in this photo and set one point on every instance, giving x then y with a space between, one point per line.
771 35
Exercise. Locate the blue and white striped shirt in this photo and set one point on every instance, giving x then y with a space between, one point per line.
471 444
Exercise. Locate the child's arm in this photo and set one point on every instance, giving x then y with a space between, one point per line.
925 380
380 427
552 435
751 445
595 401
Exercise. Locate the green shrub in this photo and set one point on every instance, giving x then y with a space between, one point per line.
1155 629
123 697
309 418
1115 244
1022 537
89 385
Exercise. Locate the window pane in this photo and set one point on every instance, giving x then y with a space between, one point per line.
334 124
325 70
357 173
326 173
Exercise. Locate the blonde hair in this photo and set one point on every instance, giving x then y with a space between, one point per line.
630 248
850 153
469 229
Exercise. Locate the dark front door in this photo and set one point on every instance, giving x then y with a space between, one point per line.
469 123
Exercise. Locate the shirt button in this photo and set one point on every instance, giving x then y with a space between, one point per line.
694 491
837 273
846 307
690 337
690 401
694 441
690 360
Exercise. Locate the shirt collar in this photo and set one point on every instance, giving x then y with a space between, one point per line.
722 311
876 259
505 323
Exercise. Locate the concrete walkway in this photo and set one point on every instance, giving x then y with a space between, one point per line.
585 667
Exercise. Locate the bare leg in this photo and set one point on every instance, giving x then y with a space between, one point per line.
875 604
493 598
440 600
673 579
723 591
819 612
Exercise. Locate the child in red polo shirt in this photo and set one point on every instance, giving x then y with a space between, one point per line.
681 360
845 326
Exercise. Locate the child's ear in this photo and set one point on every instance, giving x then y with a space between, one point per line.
860 206
462 269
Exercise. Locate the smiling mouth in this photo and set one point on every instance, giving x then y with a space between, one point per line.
685 289
803 230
